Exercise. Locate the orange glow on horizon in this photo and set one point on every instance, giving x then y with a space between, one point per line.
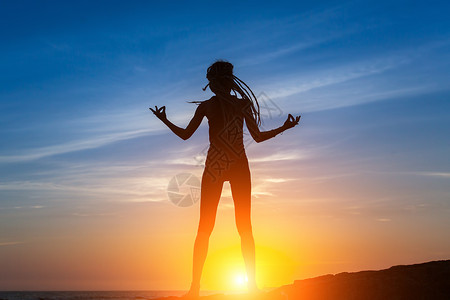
225 269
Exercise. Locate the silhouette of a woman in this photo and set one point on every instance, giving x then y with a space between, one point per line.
226 160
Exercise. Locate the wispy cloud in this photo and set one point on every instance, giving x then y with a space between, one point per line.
84 215
354 81
10 243
434 174
326 77
29 207
417 173
278 180
279 156
83 144
359 95
137 188
383 220
285 50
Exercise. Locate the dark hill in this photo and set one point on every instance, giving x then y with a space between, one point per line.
420 281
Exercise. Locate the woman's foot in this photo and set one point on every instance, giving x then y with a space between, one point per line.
194 292
253 288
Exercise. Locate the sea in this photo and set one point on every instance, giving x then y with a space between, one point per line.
107 295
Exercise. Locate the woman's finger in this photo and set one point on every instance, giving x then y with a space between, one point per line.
151 109
291 117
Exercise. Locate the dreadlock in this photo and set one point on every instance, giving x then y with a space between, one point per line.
222 72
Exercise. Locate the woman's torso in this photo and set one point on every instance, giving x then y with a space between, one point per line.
226 155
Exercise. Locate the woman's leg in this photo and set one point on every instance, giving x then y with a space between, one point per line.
210 195
241 191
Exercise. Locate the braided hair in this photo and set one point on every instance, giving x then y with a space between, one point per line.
221 72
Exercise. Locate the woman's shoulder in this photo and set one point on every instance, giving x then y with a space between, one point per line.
207 102
242 102
203 105
201 102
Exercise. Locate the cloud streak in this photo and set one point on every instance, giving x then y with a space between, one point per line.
83 144
354 82
328 77
10 243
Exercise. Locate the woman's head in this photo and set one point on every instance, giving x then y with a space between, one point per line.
223 81
220 76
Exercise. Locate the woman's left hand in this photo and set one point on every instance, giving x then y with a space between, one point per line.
291 121
159 112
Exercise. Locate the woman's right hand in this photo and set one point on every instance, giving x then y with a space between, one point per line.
291 121
159 112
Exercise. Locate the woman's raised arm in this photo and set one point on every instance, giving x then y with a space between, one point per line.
183 133
260 136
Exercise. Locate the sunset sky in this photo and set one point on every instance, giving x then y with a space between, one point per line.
362 183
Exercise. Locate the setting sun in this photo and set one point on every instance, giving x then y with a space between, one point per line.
240 281
225 268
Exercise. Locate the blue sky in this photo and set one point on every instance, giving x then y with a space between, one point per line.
370 79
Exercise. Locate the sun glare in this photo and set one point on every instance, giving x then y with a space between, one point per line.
225 269
240 280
